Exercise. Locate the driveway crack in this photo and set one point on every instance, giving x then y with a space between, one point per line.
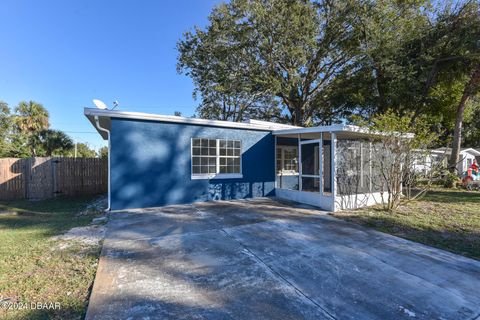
279 275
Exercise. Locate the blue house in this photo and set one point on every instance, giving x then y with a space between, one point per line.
157 160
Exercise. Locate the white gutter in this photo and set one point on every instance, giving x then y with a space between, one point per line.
97 123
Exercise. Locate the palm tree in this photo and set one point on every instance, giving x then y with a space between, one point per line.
30 120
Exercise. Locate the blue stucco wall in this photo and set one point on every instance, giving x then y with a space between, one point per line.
151 164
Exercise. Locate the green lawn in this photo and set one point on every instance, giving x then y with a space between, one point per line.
444 218
32 266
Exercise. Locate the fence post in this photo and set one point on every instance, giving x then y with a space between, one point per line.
26 175
54 176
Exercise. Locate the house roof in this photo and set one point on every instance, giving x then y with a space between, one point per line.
105 116
448 151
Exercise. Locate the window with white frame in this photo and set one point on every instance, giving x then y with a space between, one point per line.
216 158
287 160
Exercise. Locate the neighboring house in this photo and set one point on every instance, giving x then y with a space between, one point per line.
466 157
157 160
428 159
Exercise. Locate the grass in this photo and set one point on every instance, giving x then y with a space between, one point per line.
448 219
32 266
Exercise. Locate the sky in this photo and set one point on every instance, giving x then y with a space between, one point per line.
63 54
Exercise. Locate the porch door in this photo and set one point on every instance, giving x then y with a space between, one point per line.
310 167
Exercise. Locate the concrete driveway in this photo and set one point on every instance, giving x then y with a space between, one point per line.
261 259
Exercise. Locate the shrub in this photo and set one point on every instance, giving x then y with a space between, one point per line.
450 180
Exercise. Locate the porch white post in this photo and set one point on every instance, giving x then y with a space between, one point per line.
320 160
299 163
333 148
370 171
275 161
361 164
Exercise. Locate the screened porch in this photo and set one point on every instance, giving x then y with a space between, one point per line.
329 167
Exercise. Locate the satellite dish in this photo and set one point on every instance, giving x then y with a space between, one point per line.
99 104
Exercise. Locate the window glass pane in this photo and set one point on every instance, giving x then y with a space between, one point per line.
204 160
290 162
205 156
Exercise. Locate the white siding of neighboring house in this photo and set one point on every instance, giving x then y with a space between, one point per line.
424 163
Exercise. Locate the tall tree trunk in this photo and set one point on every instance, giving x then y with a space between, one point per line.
457 134
297 113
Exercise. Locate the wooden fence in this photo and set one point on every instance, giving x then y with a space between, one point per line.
43 178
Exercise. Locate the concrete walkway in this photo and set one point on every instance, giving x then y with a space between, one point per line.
261 259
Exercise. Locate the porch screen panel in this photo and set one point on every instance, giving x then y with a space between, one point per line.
353 167
381 158
310 167
310 159
327 166
287 167
311 184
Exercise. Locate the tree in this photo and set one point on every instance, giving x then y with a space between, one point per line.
55 142
31 118
83 151
471 88
394 152
103 152
5 128
384 74
471 135
253 52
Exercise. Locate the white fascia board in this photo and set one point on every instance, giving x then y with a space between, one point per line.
471 151
263 126
277 125
337 128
